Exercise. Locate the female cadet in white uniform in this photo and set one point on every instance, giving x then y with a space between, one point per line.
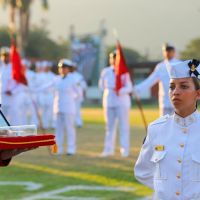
169 161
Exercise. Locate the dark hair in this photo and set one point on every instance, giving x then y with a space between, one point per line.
196 82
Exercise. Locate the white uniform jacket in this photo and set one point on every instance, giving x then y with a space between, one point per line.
107 85
169 161
81 85
160 75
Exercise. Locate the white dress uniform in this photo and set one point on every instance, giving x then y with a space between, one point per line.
49 121
116 107
47 97
160 75
40 81
12 105
5 85
64 108
81 87
30 102
169 161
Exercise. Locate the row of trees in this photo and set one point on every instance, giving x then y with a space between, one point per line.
38 45
20 9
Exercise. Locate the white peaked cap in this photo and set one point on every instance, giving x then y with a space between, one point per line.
50 64
44 64
65 63
38 64
188 68
26 63
4 50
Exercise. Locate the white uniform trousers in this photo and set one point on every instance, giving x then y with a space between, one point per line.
47 116
114 115
78 120
65 122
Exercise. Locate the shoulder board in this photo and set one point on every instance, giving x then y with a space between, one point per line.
161 120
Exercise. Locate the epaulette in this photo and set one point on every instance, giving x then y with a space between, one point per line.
161 120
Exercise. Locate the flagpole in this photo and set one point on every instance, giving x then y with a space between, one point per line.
139 104
138 101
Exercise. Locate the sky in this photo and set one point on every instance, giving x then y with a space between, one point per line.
143 25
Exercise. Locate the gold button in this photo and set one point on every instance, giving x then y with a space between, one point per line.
182 145
179 161
185 130
178 176
178 193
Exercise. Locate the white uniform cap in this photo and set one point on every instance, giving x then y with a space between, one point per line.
65 63
50 64
4 50
38 64
26 63
44 64
167 47
188 68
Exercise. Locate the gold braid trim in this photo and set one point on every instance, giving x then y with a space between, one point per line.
39 141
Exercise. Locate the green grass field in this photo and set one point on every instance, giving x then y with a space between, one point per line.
83 176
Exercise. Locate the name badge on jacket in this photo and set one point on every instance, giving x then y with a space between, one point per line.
159 147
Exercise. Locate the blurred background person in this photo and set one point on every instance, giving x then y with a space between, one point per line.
30 112
116 109
64 106
161 76
81 87
12 92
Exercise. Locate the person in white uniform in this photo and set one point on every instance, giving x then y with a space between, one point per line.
64 107
160 75
11 91
169 161
5 80
82 87
116 109
40 81
30 112
48 95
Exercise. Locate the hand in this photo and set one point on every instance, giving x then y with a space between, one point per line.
8 92
7 154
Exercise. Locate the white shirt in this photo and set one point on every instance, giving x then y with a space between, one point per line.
107 85
169 161
81 84
160 75
65 93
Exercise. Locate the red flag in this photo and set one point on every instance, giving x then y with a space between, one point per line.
120 67
18 70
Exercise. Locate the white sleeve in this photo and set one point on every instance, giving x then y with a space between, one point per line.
127 88
144 168
151 80
49 84
101 80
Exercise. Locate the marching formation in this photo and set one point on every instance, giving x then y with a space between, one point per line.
48 100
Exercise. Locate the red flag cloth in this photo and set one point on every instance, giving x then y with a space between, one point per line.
120 67
18 70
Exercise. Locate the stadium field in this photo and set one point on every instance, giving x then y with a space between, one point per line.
85 176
